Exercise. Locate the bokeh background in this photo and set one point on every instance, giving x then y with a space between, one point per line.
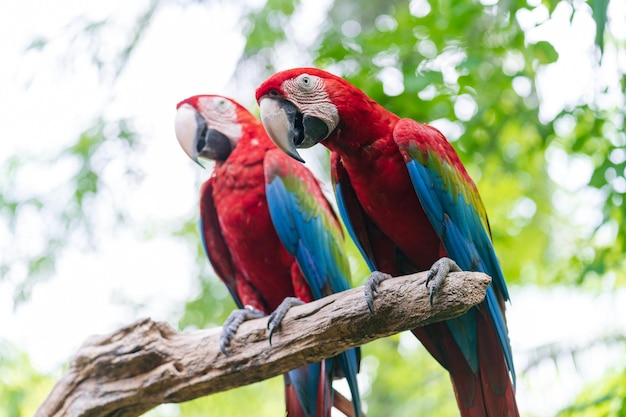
98 205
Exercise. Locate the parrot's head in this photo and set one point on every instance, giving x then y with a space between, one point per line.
209 126
298 107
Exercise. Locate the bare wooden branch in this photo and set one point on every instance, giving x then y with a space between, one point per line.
147 363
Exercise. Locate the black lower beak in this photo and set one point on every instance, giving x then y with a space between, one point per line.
290 129
210 143
215 146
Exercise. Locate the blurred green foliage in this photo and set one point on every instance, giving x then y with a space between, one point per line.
465 66
469 68
68 208
21 387
605 397
260 399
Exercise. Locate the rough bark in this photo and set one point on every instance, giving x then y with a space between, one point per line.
147 363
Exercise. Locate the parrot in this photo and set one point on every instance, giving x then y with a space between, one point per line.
410 205
270 235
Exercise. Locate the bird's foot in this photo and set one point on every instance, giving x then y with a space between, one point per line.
233 322
277 316
371 288
438 273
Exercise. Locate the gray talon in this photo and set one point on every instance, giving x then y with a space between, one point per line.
277 316
233 322
371 288
438 273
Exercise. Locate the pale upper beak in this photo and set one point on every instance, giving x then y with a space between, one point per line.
198 138
289 128
278 117
187 125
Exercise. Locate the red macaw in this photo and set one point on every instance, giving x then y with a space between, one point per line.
270 235
407 201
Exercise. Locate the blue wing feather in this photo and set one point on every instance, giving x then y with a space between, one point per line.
305 380
464 235
343 212
297 234
313 236
350 210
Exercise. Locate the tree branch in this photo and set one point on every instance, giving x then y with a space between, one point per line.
147 363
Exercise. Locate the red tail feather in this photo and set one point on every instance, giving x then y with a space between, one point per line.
486 393
323 400
324 393
499 395
292 403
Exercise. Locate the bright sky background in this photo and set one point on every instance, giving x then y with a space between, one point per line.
46 99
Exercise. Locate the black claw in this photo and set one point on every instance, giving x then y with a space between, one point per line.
431 274
271 328
371 288
276 318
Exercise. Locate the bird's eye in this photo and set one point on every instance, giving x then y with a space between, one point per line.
274 93
306 82
221 105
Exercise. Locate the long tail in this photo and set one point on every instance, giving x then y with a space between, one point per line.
483 388
308 390
309 393
348 362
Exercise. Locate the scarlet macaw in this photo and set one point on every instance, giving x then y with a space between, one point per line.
270 235
407 201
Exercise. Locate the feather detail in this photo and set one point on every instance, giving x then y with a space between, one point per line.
311 232
213 241
307 226
308 390
451 201
351 211
407 200
270 234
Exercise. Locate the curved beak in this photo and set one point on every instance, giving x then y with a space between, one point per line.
279 119
197 138
288 128
187 125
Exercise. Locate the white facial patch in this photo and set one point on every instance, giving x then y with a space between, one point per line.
221 115
308 94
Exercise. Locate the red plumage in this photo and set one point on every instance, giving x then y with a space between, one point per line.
240 238
236 193
388 219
